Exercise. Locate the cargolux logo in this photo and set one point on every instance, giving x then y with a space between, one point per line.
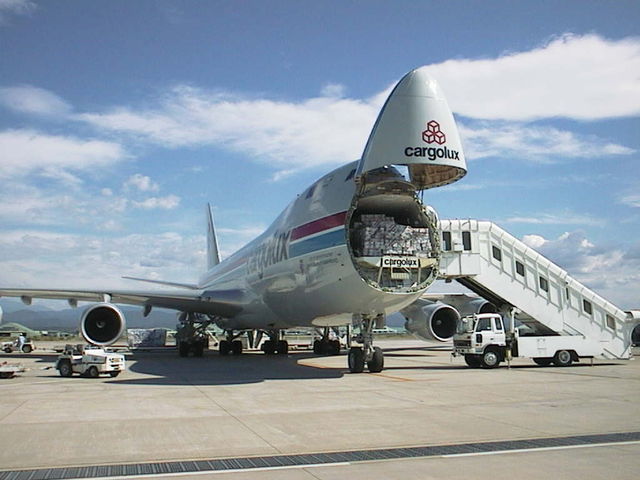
433 134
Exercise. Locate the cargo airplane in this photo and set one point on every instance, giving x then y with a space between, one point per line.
356 245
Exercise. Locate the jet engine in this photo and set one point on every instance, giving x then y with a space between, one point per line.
102 324
431 321
478 305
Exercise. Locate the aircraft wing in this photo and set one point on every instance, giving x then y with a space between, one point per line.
224 303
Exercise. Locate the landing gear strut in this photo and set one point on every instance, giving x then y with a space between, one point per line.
372 356
191 336
326 345
275 344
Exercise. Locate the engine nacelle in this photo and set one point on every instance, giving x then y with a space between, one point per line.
102 324
478 305
433 321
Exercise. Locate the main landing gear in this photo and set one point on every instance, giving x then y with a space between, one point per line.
191 336
372 356
326 345
275 344
231 344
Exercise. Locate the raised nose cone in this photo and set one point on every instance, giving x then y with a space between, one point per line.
418 83
416 128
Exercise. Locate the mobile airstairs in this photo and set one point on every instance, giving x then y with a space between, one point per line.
521 282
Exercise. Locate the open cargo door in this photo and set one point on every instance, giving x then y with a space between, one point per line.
393 237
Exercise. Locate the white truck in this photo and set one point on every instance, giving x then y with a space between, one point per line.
89 361
484 342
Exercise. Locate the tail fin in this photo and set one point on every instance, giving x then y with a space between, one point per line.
213 256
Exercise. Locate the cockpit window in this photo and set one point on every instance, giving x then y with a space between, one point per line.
310 191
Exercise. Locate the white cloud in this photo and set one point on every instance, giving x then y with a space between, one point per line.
33 100
166 203
557 218
582 77
612 271
30 258
331 129
289 135
535 143
333 90
29 151
631 200
141 183
15 7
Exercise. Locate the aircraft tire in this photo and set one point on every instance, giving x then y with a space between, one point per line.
269 347
183 349
376 364
334 347
283 347
316 347
236 347
224 347
198 349
356 360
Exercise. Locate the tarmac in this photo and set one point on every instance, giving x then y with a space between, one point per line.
303 416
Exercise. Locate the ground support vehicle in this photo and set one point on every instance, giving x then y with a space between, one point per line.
14 346
89 361
484 342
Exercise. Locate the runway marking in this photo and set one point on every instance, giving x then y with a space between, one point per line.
314 460
401 379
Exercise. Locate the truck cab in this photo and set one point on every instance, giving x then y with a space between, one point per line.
481 339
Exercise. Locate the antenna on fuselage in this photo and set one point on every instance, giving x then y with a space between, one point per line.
213 256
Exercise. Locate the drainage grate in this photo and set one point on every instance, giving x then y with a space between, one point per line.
245 463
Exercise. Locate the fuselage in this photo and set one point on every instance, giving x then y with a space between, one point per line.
303 270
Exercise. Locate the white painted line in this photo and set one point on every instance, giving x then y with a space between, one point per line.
539 449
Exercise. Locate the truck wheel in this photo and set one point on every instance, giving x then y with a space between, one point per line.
27 348
472 360
93 372
490 359
114 374
64 368
543 361
562 358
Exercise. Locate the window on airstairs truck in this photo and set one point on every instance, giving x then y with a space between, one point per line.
611 322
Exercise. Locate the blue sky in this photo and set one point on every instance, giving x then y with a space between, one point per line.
119 120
